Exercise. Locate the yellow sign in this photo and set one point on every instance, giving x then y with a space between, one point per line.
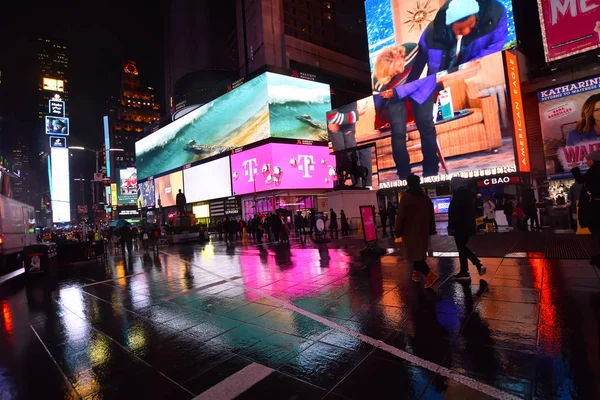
54 85
201 211
113 194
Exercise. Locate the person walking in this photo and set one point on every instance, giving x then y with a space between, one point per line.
276 226
589 199
415 223
530 210
258 226
462 225
344 223
383 215
489 213
333 225
508 212
126 239
299 224
391 216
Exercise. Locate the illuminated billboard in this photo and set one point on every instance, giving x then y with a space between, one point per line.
411 39
54 85
567 115
128 187
166 188
277 166
146 194
59 185
208 181
57 126
270 105
113 194
569 27
466 129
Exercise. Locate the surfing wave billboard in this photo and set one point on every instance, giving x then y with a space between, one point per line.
270 105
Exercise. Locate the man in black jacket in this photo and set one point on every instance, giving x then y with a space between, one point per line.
461 225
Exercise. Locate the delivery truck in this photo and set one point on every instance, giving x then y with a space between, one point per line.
17 231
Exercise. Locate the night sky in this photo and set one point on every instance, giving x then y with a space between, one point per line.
99 36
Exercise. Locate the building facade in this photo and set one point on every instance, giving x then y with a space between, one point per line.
135 108
327 38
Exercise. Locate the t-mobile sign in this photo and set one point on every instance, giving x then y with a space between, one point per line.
282 166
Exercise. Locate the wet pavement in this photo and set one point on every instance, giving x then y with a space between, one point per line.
273 322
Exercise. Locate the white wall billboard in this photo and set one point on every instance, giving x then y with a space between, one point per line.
60 191
208 181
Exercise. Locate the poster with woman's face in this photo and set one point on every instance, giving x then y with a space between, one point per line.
570 119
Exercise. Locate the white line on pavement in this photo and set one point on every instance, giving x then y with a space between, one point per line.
236 384
11 275
446 372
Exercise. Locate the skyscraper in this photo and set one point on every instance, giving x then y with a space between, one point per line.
53 67
135 108
325 38
22 188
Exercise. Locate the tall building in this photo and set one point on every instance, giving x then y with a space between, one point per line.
199 35
325 38
135 108
53 67
328 36
22 189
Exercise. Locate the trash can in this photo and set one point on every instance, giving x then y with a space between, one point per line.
39 258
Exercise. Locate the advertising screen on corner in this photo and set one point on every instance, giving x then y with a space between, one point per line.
567 120
211 180
166 188
282 166
464 127
411 39
270 105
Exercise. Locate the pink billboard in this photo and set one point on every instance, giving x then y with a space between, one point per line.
569 27
277 166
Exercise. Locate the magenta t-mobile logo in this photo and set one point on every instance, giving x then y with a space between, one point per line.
250 168
306 164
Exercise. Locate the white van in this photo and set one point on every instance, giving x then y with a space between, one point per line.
17 230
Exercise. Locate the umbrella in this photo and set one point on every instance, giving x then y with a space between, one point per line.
119 223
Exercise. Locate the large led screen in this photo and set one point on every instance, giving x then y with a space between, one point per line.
568 115
128 187
146 194
166 188
268 105
60 194
57 126
297 107
409 39
282 166
569 27
464 129
208 181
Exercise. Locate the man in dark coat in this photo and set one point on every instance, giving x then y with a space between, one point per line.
414 224
391 216
589 201
126 239
180 201
383 214
461 225
333 225
276 226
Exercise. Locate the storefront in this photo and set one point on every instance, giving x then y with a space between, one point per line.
289 201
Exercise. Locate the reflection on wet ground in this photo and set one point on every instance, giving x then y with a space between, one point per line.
274 322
